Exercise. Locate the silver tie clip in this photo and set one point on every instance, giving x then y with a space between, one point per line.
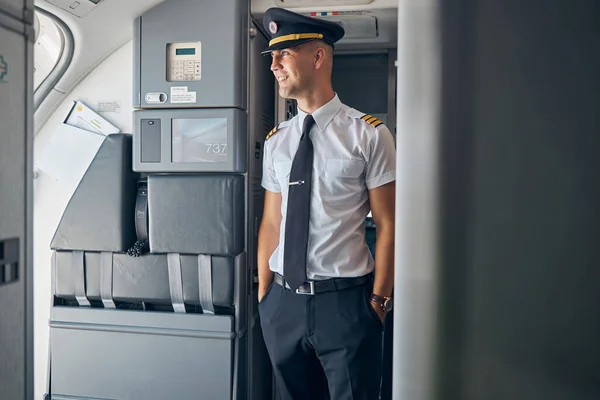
297 183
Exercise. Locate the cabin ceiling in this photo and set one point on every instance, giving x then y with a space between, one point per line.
96 35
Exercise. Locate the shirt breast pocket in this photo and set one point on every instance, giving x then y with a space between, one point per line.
344 182
282 174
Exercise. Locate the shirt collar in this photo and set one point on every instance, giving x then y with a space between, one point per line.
324 114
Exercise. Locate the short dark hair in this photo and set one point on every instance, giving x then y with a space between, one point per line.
321 43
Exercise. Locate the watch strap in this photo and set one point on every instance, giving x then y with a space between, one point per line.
380 300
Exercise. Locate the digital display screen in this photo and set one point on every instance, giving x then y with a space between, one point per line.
202 140
185 52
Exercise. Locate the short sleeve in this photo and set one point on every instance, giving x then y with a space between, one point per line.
269 181
381 166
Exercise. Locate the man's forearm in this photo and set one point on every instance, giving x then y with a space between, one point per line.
265 277
384 260
268 239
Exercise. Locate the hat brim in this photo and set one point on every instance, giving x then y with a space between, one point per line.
285 45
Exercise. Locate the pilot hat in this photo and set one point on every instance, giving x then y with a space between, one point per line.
288 29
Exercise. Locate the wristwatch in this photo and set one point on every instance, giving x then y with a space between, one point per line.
386 303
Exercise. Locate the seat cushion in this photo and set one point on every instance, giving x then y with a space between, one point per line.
100 214
196 214
143 279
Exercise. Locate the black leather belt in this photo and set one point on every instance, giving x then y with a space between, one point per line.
327 285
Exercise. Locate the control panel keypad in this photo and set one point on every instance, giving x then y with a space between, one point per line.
185 70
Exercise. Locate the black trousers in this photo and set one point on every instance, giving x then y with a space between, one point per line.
323 346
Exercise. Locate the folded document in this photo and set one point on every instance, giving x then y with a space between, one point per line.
81 116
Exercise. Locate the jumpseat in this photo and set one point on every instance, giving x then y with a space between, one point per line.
148 284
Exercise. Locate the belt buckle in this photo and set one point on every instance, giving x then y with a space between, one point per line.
311 285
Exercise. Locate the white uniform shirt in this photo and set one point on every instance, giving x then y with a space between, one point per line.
350 157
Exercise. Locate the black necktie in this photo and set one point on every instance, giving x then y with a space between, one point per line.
298 210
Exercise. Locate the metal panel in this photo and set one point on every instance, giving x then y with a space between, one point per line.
22 10
220 31
149 140
16 326
231 157
348 69
391 91
137 62
416 262
530 142
498 220
140 355
261 107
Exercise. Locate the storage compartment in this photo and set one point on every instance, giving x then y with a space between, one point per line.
179 64
200 140
140 355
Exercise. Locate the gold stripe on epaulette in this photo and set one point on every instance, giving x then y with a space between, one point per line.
273 131
371 120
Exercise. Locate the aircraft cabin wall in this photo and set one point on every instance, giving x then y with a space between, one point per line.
367 83
16 134
110 81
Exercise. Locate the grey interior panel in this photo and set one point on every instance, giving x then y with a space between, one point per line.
141 355
260 121
16 184
361 81
521 202
222 81
193 140
20 9
100 214
197 214
149 132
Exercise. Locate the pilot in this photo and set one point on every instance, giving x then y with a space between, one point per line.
322 297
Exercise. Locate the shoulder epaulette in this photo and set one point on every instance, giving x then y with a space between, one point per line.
273 131
279 126
371 120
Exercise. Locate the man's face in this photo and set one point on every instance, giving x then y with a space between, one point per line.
293 69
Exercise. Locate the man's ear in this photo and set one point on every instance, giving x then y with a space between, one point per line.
319 57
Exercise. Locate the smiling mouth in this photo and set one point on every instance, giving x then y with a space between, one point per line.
281 78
